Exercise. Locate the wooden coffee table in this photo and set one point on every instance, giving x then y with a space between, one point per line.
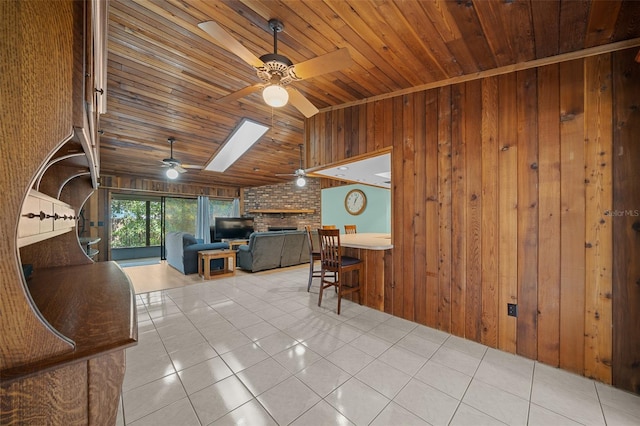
204 263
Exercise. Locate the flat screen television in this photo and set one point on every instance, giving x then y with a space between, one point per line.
233 228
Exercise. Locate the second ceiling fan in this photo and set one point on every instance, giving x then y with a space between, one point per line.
277 71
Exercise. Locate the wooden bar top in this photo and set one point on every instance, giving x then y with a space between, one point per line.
92 305
369 241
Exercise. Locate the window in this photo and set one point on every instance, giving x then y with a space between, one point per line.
180 215
220 208
135 222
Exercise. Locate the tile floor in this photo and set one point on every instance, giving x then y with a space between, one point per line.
255 349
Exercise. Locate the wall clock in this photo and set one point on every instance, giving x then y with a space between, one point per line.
355 201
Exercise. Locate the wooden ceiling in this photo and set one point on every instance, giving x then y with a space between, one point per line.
165 74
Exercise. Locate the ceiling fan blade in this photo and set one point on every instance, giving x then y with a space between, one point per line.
303 105
225 40
323 64
240 93
192 166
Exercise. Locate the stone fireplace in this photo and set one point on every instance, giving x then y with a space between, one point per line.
283 205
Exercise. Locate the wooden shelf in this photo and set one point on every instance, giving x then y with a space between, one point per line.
92 305
281 211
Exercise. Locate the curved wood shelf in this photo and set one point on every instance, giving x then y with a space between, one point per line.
102 300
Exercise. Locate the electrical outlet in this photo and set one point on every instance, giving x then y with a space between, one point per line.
512 309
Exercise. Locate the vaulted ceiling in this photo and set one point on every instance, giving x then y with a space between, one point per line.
166 75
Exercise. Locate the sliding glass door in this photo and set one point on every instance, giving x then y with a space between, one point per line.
139 223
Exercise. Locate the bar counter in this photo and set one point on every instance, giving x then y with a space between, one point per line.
375 250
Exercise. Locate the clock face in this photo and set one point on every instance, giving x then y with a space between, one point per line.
355 201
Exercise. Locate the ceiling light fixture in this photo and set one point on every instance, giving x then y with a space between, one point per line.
301 181
172 173
275 95
241 139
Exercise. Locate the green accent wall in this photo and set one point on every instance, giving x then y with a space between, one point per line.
375 218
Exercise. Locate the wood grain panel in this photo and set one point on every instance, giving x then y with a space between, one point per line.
421 288
520 144
508 211
105 377
549 215
458 211
35 133
572 204
527 104
432 217
489 260
598 263
408 188
626 199
473 199
445 177
395 134
30 401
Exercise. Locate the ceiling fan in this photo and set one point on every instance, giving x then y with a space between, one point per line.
277 71
300 174
175 166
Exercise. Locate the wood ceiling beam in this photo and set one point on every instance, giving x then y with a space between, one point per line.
569 56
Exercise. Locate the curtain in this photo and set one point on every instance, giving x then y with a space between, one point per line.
236 207
202 220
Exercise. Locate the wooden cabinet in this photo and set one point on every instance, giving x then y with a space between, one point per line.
64 330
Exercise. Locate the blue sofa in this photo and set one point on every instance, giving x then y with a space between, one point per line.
182 252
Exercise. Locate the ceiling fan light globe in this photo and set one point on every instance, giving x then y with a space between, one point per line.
275 95
172 173
301 182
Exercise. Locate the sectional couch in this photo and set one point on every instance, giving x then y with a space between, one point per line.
273 249
182 252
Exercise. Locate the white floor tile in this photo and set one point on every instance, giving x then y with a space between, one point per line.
296 358
539 416
215 401
205 374
466 416
427 402
322 414
288 400
441 377
350 359
244 357
383 378
249 414
146 399
323 377
497 403
263 376
192 355
457 360
357 402
180 412
393 414
358 368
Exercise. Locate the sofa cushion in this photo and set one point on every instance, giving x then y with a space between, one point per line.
294 248
188 239
262 252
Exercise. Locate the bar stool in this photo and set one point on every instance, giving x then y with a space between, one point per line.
350 229
313 256
328 227
332 262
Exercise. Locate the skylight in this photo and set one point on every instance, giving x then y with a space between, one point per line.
241 139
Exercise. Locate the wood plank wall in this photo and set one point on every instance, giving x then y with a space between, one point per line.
500 191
